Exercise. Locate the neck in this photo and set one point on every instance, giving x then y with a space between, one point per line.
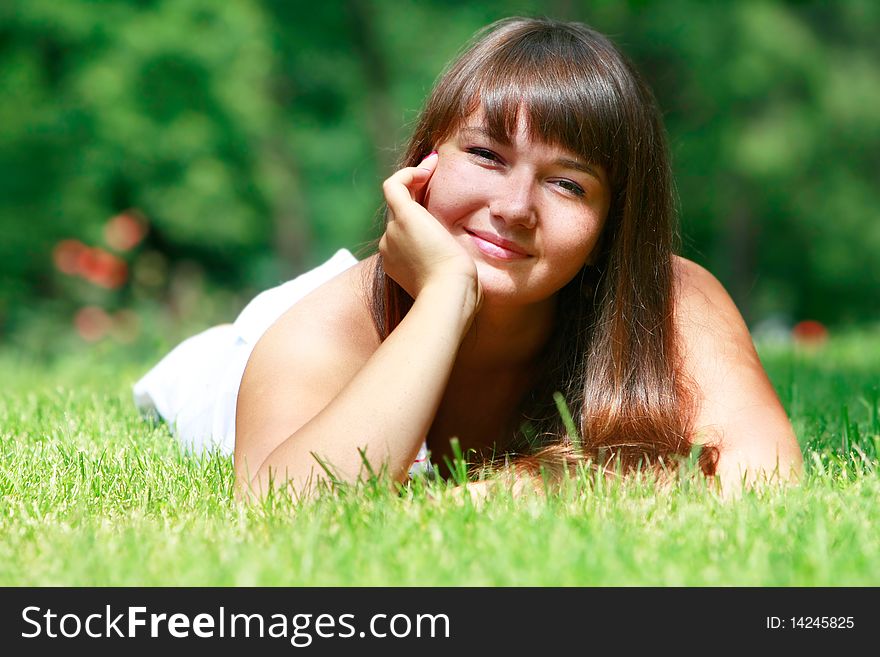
507 336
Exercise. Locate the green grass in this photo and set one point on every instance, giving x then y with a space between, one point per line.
92 495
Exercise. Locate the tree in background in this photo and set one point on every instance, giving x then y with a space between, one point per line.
251 137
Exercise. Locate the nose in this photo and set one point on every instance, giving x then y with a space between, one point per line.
513 202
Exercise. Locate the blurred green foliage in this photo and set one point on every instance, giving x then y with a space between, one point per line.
253 135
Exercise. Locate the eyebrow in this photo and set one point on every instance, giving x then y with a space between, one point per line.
566 162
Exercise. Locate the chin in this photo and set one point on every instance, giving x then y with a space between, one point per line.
501 286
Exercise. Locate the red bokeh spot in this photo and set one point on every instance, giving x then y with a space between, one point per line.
125 231
92 323
102 268
809 331
66 255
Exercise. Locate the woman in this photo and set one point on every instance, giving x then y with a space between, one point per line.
528 249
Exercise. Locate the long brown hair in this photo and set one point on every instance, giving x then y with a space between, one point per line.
614 353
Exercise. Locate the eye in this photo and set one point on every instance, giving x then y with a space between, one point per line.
484 154
571 187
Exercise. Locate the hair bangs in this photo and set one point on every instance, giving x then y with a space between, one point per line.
568 106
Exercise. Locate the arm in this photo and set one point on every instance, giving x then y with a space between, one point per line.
736 403
387 405
386 408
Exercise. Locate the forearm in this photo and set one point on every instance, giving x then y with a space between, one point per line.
389 405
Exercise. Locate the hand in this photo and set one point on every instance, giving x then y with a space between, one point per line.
416 249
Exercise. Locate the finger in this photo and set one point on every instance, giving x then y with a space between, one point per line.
413 176
430 162
420 186
404 184
408 176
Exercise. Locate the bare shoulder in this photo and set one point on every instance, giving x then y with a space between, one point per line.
701 300
709 323
737 407
301 363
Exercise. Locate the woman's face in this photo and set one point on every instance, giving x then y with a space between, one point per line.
530 214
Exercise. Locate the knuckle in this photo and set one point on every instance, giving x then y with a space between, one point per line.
395 178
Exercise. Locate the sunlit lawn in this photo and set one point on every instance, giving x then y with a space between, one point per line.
92 495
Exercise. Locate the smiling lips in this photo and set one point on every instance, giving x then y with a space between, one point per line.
495 246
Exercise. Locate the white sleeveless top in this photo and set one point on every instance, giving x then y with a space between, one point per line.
195 387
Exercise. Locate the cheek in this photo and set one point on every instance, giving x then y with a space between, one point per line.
450 195
572 249
588 242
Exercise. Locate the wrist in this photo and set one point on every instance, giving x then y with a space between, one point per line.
459 292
